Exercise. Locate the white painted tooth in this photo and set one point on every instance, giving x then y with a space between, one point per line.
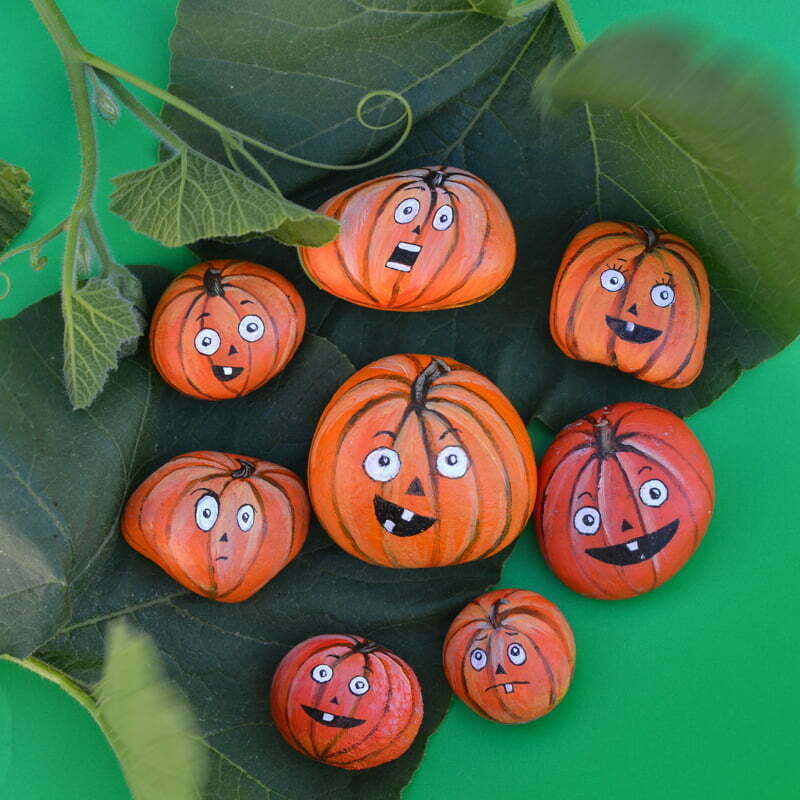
509 687
407 515
413 248
634 545
398 267
629 326
326 717
227 370
389 525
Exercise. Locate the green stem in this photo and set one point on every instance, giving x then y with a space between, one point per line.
36 243
571 24
98 240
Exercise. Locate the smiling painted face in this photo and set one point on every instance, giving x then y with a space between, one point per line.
633 298
420 461
222 525
346 701
436 237
625 499
223 328
509 655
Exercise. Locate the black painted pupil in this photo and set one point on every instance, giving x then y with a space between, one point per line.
479 656
588 520
384 461
614 280
655 494
452 460
252 327
245 516
407 210
664 295
207 513
206 340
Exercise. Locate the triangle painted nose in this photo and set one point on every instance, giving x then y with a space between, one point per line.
416 230
500 670
334 702
626 526
632 310
232 351
415 487
224 537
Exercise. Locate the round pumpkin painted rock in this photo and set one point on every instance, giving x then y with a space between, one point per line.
224 328
509 655
346 701
625 498
419 461
220 524
435 237
634 298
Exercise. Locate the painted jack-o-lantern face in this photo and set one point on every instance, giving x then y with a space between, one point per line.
509 655
625 498
435 237
634 298
346 701
420 461
222 525
224 328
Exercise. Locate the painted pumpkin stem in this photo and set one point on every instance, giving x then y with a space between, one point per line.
365 646
246 469
424 381
495 610
605 437
212 282
652 238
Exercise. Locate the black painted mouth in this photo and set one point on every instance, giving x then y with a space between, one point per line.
404 256
331 720
636 550
226 373
395 519
631 332
508 686
221 558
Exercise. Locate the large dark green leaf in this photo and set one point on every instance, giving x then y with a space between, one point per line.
65 571
468 77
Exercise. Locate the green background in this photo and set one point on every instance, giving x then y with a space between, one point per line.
687 692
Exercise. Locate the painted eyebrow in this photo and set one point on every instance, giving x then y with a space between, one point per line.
204 314
451 431
206 491
643 469
388 433
589 494
244 302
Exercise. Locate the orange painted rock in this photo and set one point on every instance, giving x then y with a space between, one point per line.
434 237
346 701
220 524
625 498
634 298
224 328
419 461
509 655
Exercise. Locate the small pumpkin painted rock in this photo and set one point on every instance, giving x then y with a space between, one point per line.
634 298
224 328
420 461
346 701
509 655
220 524
435 237
625 498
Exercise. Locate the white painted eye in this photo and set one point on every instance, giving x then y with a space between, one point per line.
382 464
358 685
587 520
517 654
251 328
322 673
477 658
443 218
207 342
662 295
407 210
653 493
612 280
245 517
452 462
206 511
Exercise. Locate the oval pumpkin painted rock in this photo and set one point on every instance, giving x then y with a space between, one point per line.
510 655
224 328
634 298
220 524
625 498
419 461
435 237
346 701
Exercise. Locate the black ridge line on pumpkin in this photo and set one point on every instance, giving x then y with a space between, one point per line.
204 297
292 516
548 669
552 624
620 303
500 698
428 447
319 691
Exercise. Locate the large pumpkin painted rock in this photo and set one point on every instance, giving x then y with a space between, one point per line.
435 237
509 655
346 701
220 524
634 298
625 498
224 328
419 461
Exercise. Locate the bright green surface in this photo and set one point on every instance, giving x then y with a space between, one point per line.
689 692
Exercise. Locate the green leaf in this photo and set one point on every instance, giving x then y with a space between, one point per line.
468 78
99 322
508 10
66 569
15 202
189 197
150 725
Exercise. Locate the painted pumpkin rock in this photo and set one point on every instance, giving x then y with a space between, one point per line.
220 524
224 328
422 239
419 461
634 298
346 701
510 655
625 498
